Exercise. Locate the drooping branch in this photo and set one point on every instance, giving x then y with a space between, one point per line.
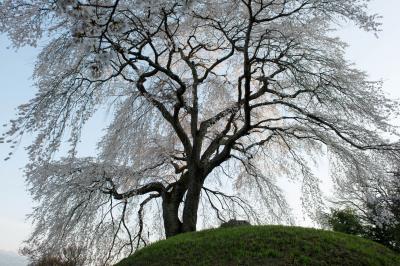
240 92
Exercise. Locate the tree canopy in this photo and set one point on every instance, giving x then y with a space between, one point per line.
203 94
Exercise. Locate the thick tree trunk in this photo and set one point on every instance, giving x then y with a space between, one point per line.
172 224
191 185
171 202
189 216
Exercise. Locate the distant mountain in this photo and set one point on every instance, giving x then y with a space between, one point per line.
9 258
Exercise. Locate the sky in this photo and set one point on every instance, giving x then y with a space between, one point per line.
379 57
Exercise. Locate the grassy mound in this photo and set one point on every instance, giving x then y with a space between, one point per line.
263 245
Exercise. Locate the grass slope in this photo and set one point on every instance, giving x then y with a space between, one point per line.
263 245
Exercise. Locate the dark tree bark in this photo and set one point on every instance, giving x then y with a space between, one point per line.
171 202
191 206
186 191
172 223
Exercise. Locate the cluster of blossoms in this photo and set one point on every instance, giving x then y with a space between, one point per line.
382 217
100 64
383 210
90 27
87 20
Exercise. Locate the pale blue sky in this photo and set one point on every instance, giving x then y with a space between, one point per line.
379 57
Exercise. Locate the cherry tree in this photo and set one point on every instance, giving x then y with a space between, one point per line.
213 101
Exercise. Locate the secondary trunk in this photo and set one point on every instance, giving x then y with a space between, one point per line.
189 216
172 224
190 184
170 204
195 184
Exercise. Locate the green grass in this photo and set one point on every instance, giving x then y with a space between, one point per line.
263 245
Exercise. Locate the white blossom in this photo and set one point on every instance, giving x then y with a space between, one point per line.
195 88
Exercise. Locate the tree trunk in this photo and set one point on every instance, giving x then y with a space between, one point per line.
192 199
172 224
170 204
191 206
191 184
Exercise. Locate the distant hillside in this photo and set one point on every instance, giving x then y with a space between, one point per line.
8 258
264 245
